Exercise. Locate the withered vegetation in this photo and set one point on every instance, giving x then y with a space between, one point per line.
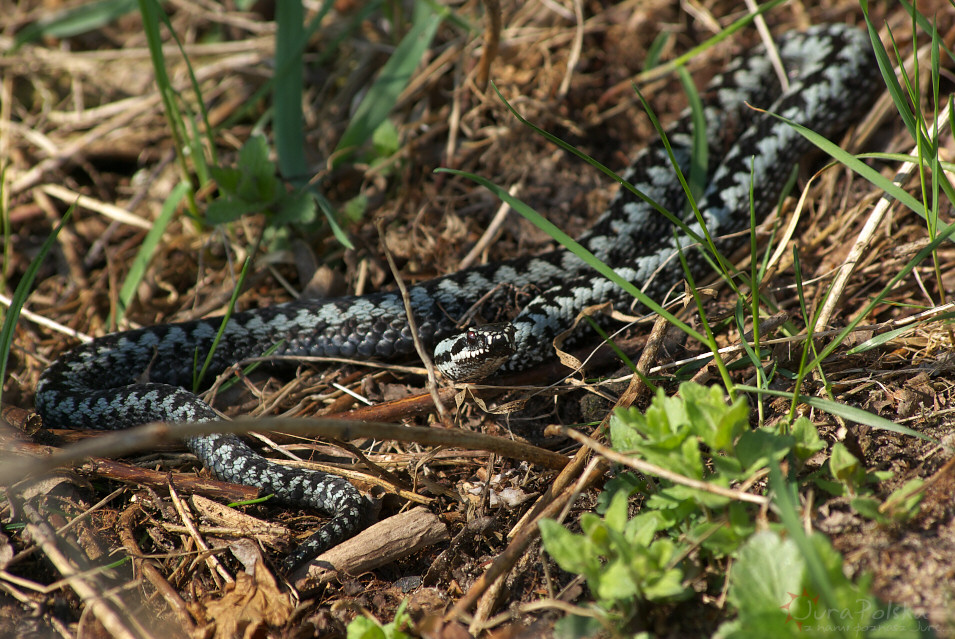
80 117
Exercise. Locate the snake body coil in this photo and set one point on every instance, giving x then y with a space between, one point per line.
97 385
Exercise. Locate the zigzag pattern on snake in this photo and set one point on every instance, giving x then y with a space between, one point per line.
97 385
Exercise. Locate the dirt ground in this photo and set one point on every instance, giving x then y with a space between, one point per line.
79 115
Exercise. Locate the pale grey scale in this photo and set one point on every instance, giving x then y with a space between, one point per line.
96 385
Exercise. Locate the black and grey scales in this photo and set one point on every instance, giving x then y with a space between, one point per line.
833 76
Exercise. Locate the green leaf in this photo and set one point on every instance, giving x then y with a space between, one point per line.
710 417
298 208
616 582
641 529
259 182
756 448
616 515
868 507
573 553
668 586
680 493
807 440
225 210
845 467
724 538
354 209
364 628
662 582
577 627
832 487
767 569
903 504
253 159
227 178
74 21
385 140
730 466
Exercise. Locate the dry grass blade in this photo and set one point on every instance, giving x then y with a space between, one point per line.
872 224
81 119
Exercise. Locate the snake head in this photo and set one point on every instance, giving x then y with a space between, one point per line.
476 353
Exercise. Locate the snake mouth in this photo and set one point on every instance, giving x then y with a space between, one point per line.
476 353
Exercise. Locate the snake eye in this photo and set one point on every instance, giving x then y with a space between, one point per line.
471 335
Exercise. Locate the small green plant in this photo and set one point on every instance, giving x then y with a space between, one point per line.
770 588
848 477
367 628
691 519
253 186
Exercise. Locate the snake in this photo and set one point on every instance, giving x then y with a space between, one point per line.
133 377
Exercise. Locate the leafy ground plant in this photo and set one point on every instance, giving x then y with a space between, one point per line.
691 522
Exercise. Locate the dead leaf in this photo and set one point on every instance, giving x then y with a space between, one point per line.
246 609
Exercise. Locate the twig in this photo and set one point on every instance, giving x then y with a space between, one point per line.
490 234
492 37
47 323
186 518
582 471
379 545
413 326
108 610
147 436
127 522
519 543
111 211
659 471
576 47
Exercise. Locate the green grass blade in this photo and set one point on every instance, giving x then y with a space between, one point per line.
194 141
841 410
329 212
152 15
6 229
655 50
146 251
391 81
197 381
943 236
888 73
724 34
602 168
785 497
574 247
288 123
879 340
699 157
708 330
246 111
857 166
74 21
20 295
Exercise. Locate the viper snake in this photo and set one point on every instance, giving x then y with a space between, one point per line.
139 376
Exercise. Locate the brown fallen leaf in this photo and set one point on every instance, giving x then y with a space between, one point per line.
246 609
